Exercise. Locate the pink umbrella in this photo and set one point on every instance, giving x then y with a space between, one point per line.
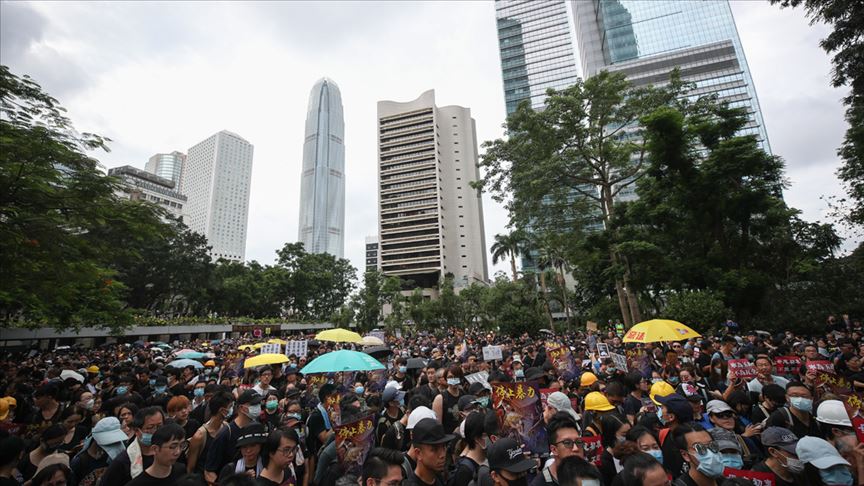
187 350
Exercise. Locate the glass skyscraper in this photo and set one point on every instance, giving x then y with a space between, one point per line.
169 166
647 39
322 186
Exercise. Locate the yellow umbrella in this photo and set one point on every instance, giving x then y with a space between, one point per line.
244 347
657 330
277 341
258 345
265 359
339 336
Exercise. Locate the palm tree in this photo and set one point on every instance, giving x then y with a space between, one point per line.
509 245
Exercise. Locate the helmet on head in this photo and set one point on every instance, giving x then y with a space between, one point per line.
833 412
587 379
660 389
598 402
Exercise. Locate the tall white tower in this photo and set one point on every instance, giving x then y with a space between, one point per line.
216 178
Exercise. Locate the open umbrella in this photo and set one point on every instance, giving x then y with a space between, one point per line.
163 346
338 336
343 360
244 347
378 351
277 341
185 350
658 330
265 359
371 341
182 363
66 374
415 363
191 355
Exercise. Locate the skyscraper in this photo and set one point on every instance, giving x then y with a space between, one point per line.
646 40
430 218
322 186
216 179
537 49
140 185
168 166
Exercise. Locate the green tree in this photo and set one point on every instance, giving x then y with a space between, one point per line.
509 246
319 282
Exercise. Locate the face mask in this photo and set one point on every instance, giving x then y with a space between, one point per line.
403 369
296 416
520 373
292 365
198 392
523 481
794 466
484 401
230 412
254 411
146 439
803 404
660 416
160 389
710 464
121 390
838 474
657 454
152 382
89 404
620 439
272 404
453 381
656 380
672 380
359 390
732 460
718 370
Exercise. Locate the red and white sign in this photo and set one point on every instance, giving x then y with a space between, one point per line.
758 478
593 449
741 368
787 365
820 365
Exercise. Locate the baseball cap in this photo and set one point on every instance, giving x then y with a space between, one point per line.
534 373
818 452
725 439
429 431
506 454
419 414
678 405
252 434
476 388
250 397
466 401
780 438
107 431
717 406
391 393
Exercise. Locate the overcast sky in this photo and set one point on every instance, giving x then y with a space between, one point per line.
162 76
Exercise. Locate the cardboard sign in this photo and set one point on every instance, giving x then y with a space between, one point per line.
787 365
591 326
353 442
741 368
479 377
757 478
271 349
297 348
602 350
620 361
520 414
492 353
593 449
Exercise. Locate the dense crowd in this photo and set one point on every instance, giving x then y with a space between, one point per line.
679 413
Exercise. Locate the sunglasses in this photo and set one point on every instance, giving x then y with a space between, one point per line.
702 449
725 415
569 444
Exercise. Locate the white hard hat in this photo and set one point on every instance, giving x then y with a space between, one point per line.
419 414
833 412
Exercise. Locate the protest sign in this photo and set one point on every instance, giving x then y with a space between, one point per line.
820 365
461 350
332 407
757 478
741 368
520 415
854 403
562 360
591 326
353 442
544 394
297 348
314 383
492 353
271 348
620 361
602 350
479 377
787 365
593 449
824 370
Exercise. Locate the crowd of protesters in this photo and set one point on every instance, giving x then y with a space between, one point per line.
118 415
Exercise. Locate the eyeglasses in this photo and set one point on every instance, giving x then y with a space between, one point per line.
725 415
569 443
287 451
701 449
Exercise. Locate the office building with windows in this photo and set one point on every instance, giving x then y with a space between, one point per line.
216 178
371 253
430 218
169 166
322 185
141 185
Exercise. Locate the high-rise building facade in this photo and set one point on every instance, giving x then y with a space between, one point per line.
168 166
322 186
141 185
430 218
647 39
371 253
537 49
216 178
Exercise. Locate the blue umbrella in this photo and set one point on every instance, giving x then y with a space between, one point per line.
191 355
343 360
182 363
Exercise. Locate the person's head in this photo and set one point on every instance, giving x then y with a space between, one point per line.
326 391
430 441
646 440
779 444
250 440
11 448
382 467
281 447
799 396
52 438
728 344
454 375
86 401
675 409
721 414
773 396
168 444
71 417
811 352
832 468
616 393
249 404
614 429
507 463
564 437
221 404
643 470
699 450
146 422
764 366
474 431
576 471
833 420
238 479
126 413
57 474
179 408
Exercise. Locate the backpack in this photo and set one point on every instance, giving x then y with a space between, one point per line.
475 469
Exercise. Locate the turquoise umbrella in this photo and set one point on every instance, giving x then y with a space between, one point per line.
182 363
343 360
192 355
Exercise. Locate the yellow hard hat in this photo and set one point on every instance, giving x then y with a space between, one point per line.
587 379
597 401
210 363
93 369
4 409
13 403
661 388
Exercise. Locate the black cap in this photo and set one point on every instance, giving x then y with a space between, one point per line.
506 454
678 405
429 431
249 397
476 388
534 373
254 433
466 401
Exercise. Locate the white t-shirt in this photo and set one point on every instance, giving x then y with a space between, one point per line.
755 385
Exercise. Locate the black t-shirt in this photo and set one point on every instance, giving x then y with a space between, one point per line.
287 480
145 479
314 426
9 482
632 405
119 471
781 416
762 467
415 481
672 460
466 471
451 412
385 421
87 469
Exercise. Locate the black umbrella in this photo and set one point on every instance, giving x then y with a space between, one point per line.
416 363
378 351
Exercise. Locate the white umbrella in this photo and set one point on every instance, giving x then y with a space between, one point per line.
371 341
66 374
